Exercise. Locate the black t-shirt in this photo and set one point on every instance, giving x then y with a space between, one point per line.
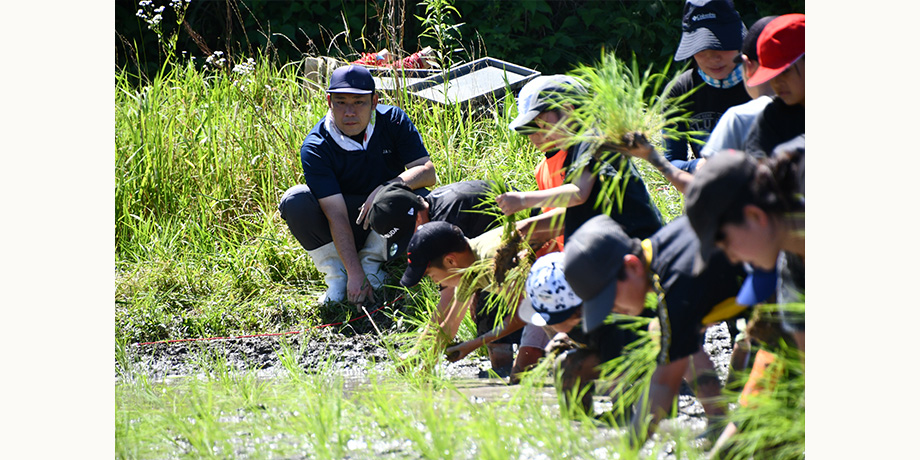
688 298
461 204
639 217
777 123
708 104
607 340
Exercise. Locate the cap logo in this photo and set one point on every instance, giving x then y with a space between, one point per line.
411 211
393 249
701 17
391 232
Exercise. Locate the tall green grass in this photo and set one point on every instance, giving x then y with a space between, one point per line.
202 158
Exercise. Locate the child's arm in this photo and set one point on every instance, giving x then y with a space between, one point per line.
636 145
563 196
510 324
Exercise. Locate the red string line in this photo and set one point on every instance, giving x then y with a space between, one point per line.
272 334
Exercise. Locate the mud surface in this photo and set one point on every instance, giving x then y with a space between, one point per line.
358 356
325 350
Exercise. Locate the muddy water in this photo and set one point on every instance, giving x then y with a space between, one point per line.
356 358
360 358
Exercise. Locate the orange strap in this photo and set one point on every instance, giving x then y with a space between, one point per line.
550 173
757 381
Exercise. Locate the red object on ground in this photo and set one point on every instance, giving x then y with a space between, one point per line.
383 58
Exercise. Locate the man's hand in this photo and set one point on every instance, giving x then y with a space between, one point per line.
511 202
459 351
359 291
365 208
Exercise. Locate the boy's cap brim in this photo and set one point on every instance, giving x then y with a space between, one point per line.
780 45
529 315
593 258
541 94
414 273
705 39
596 310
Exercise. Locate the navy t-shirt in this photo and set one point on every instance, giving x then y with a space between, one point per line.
688 298
707 105
330 169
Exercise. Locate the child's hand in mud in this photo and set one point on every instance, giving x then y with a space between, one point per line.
561 342
459 351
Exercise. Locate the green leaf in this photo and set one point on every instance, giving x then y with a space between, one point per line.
540 20
571 22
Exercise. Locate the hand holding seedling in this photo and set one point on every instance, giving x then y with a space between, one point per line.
511 202
359 290
637 145
459 351
559 343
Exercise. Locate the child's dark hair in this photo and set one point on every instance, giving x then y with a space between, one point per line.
778 186
454 245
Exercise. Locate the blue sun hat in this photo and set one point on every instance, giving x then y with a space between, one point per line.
709 25
551 299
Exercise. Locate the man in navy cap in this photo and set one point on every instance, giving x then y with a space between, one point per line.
353 151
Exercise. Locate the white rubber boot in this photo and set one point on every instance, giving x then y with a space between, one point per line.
326 259
372 256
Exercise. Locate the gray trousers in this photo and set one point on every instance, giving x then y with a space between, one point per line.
307 222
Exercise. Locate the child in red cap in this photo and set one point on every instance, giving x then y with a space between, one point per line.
781 47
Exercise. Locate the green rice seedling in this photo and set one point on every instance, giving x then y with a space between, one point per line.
772 424
622 100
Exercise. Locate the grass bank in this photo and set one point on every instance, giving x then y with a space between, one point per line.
202 159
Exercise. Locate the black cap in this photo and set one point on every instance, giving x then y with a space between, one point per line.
393 214
431 241
749 45
709 25
593 258
352 79
725 180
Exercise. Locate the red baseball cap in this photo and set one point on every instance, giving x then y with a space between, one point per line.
781 43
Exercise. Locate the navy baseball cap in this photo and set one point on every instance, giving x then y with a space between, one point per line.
430 241
709 25
352 79
593 259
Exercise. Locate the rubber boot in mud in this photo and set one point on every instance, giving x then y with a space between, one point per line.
327 261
